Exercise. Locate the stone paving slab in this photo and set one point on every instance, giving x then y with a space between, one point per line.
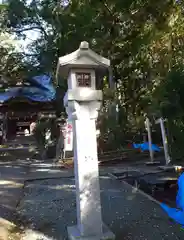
12 178
47 170
49 206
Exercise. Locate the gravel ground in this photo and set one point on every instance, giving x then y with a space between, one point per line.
48 207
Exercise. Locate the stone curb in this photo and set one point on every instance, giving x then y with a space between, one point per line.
142 193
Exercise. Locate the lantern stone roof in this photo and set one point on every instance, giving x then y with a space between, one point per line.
83 58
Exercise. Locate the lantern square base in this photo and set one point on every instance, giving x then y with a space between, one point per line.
74 234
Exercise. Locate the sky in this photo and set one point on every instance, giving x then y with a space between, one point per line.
31 35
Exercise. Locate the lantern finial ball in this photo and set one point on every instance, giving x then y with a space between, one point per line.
84 45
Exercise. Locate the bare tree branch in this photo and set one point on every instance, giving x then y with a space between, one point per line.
29 54
31 28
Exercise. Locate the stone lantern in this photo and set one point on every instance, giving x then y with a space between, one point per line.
82 102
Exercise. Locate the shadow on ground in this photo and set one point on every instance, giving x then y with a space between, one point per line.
45 203
49 206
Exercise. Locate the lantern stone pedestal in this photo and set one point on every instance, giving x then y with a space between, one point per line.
82 102
74 234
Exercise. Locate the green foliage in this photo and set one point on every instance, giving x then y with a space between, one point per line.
42 126
169 99
11 64
143 39
39 133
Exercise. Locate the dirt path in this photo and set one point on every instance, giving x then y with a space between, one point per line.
14 168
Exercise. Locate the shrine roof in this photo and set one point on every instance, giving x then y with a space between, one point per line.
41 90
